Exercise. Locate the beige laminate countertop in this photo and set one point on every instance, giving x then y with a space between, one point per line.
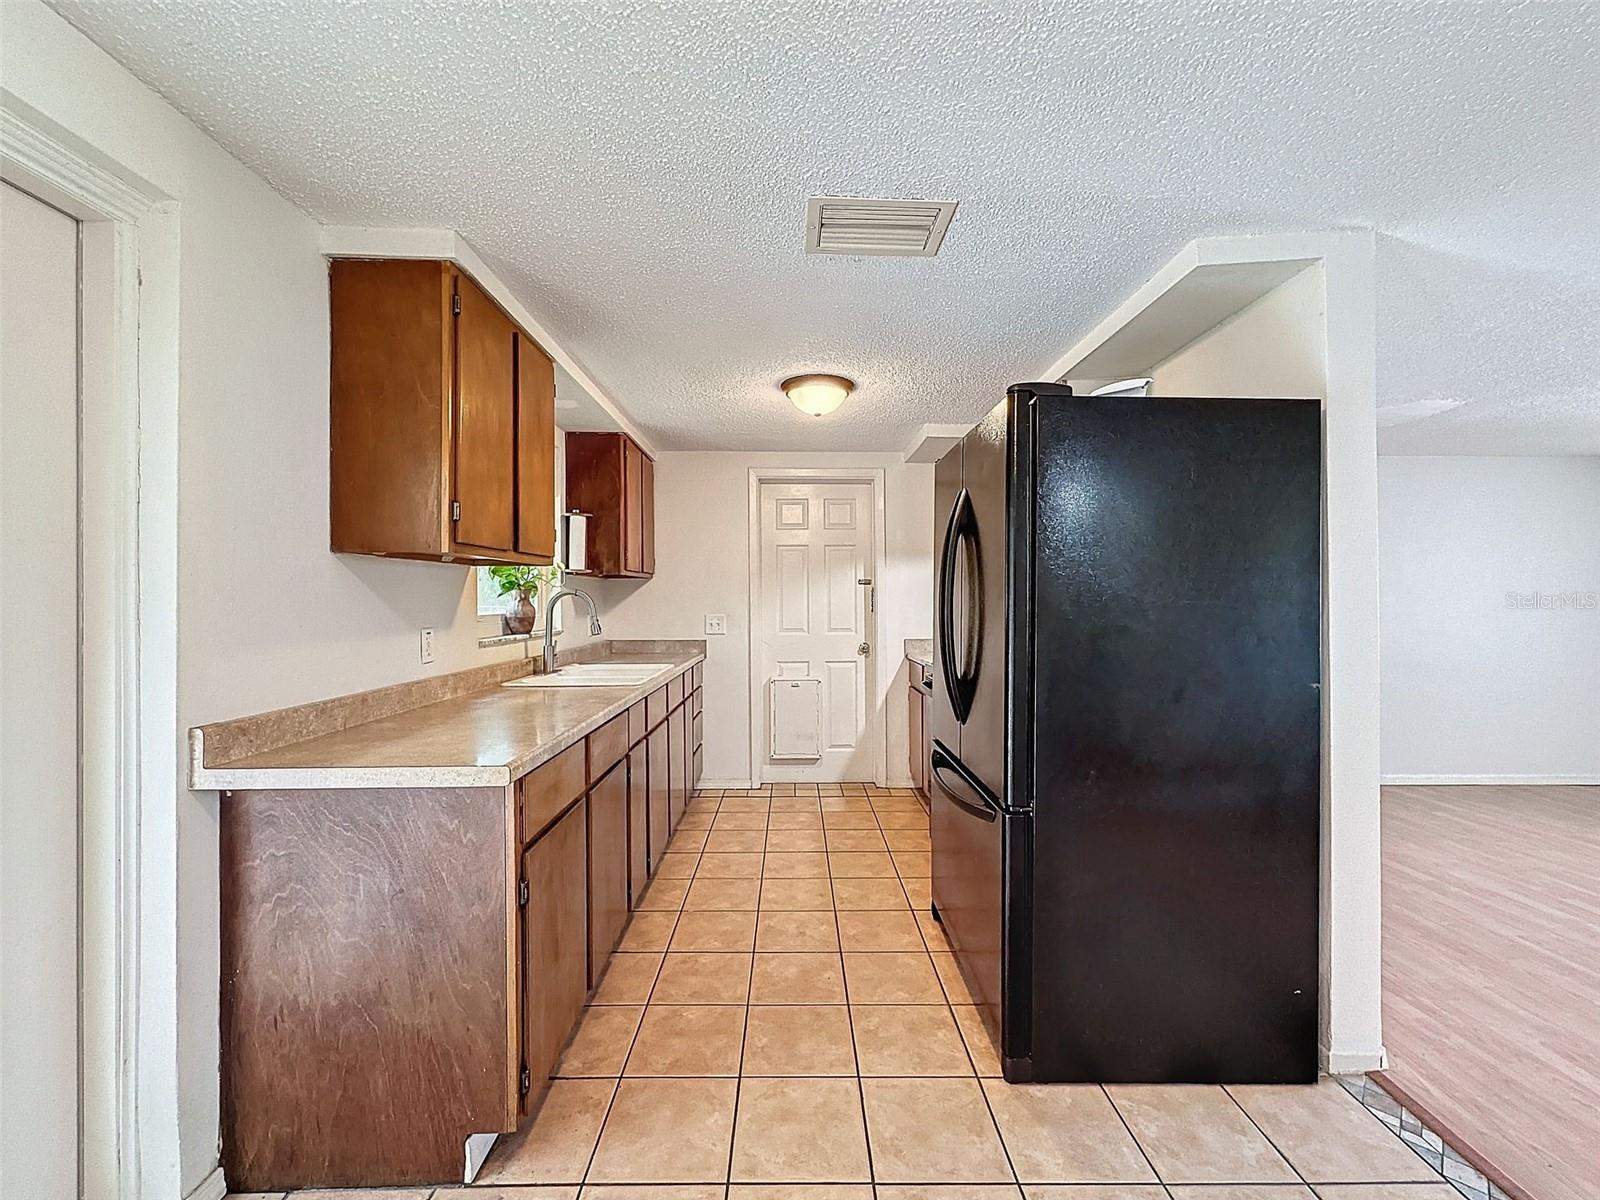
486 739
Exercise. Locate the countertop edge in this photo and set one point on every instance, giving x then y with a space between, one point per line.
231 778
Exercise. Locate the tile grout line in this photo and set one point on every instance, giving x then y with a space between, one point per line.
1256 1125
849 1011
1134 1137
744 1034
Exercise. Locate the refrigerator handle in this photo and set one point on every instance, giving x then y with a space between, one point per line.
947 616
943 765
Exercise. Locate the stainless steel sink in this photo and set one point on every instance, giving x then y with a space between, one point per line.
595 674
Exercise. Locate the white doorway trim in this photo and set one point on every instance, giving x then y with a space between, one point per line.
127 658
877 717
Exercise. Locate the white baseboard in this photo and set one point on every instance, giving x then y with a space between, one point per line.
714 784
1353 1062
212 1187
1491 780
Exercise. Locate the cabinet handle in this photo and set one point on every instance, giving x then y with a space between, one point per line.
525 1080
522 893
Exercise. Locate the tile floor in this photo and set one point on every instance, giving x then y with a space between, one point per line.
784 1021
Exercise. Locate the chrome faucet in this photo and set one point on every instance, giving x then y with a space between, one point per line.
550 623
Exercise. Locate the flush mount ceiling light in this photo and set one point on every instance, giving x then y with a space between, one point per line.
817 395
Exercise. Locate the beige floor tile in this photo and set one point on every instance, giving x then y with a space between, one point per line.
739 822
860 864
912 864
689 977
513 1192
955 987
796 931
729 866
907 839
1380 1191
648 931
802 865
1196 1134
918 892
684 1039
849 819
627 979
797 979
1065 1133
735 841
800 1129
1256 1191
271 1195
798 1040
790 841
895 929
835 805
676 865
1098 1191
902 820
664 895
555 1146
795 822
667 1131
893 978
724 894
840 840
359 1194
797 895
985 1057
687 841
1326 1134
908 1146
918 1040
949 1191
600 1046
648 1191
932 931
697 820
800 1191
715 931
795 804
868 894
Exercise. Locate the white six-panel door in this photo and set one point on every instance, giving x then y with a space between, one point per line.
812 620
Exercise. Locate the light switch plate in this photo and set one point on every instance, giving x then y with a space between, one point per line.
716 622
427 646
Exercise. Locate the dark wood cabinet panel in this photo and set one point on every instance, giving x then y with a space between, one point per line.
914 738
658 792
536 450
608 866
424 414
554 945
607 745
546 791
639 861
678 766
612 480
485 421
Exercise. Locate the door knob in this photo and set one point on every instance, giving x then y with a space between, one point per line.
864 648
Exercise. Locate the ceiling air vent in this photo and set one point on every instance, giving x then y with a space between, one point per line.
855 225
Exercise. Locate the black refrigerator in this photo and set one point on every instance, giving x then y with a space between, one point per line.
1126 727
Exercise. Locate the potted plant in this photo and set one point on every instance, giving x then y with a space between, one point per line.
522 584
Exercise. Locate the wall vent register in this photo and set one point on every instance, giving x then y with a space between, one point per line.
860 226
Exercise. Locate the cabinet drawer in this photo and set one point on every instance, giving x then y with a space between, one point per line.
697 738
637 725
655 708
675 692
607 745
698 675
546 790
697 702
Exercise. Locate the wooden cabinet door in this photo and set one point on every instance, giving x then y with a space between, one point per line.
608 866
536 451
647 510
658 794
678 769
638 822
554 945
914 737
633 461
485 421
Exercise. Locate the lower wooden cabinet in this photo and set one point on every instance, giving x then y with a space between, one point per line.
678 766
658 793
608 866
555 945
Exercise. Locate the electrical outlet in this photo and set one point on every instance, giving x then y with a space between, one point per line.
716 622
427 646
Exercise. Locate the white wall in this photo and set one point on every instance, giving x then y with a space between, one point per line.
266 615
702 566
1273 348
1474 687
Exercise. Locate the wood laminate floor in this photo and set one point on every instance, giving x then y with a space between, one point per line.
1491 975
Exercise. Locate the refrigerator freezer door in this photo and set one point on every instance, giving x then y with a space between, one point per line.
968 835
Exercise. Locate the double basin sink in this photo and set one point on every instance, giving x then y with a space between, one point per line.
596 674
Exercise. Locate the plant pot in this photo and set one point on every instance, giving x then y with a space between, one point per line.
521 614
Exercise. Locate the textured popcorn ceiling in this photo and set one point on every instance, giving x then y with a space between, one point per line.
638 172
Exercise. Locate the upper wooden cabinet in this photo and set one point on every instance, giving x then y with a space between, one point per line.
612 480
442 419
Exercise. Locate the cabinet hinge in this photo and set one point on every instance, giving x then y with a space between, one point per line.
525 1080
522 893
455 510
455 304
